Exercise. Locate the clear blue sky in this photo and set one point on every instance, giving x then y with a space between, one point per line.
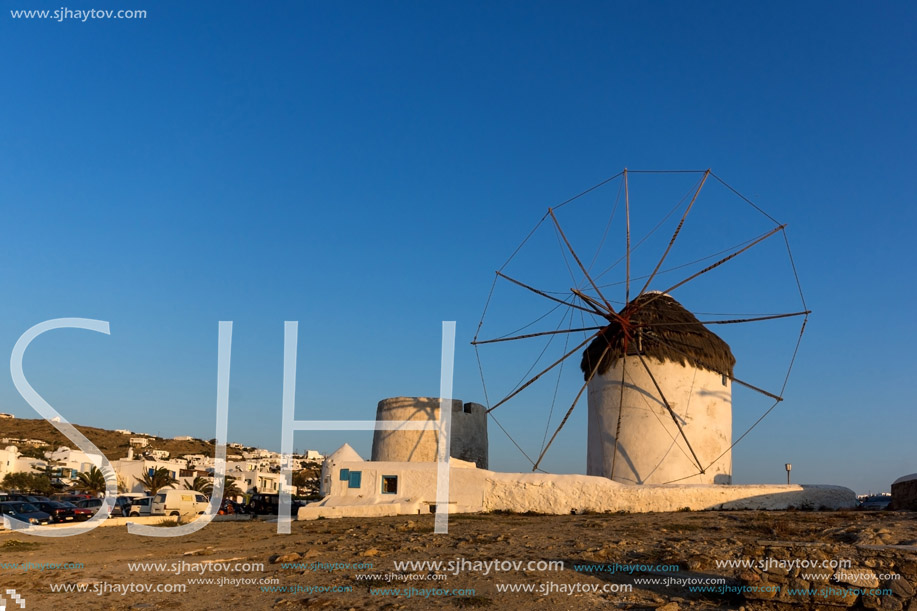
363 168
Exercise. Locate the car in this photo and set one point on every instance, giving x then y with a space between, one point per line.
28 498
26 512
269 504
80 514
120 508
89 504
178 502
58 511
875 503
66 497
141 506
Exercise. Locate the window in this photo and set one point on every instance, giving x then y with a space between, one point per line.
345 475
355 477
389 484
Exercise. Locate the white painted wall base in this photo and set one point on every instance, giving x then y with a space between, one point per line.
478 490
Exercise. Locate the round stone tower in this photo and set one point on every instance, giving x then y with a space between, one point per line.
469 431
633 437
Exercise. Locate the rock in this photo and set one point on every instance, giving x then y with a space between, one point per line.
748 576
900 587
857 576
837 595
889 603
673 606
371 552
291 557
761 594
312 553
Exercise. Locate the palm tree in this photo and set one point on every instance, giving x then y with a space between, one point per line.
157 480
202 484
91 481
231 489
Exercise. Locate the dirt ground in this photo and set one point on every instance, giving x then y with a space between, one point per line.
350 563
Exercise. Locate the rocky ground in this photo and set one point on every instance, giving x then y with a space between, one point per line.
350 564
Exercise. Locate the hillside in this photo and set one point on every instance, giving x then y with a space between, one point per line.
113 445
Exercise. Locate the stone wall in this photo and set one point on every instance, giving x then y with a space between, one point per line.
468 440
904 495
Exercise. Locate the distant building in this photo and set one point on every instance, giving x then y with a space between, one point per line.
183 438
4 415
129 471
904 492
124 431
140 441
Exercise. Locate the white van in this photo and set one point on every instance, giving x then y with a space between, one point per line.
178 503
141 506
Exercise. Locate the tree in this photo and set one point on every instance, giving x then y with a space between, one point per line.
202 484
52 471
230 488
157 480
34 452
27 482
91 481
308 479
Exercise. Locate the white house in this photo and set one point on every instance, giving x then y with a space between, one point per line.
130 470
12 462
71 462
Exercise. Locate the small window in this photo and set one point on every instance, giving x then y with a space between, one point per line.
345 475
389 484
724 379
355 477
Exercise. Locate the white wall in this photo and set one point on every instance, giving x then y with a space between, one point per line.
650 449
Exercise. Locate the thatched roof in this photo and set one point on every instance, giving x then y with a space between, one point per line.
684 339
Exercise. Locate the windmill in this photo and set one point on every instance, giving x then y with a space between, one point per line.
659 381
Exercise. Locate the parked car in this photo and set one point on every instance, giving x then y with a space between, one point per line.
80 514
121 507
93 504
67 497
141 507
26 512
58 511
875 503
269 504
28 498
178 502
